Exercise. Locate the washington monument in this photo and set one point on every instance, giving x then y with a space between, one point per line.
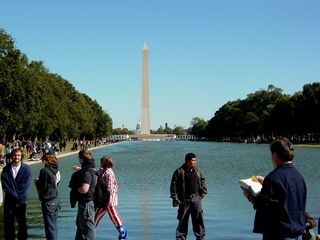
145 106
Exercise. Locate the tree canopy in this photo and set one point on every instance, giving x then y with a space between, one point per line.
35 103
269 113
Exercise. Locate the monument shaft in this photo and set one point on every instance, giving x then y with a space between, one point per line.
145 106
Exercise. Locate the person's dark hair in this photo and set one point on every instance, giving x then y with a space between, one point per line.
106 162
85 155
189 156
284 149
13 152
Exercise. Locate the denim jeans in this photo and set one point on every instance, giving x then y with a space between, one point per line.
50 215
85 221
267 237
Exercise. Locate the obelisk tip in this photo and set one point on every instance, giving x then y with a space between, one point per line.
145 47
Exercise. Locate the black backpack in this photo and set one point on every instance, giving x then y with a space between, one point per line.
101 196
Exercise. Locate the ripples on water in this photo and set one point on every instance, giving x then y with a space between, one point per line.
144 170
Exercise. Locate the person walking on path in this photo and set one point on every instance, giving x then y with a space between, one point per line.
15 179
107 175
8 153
188 187
83 183
47 188
280 207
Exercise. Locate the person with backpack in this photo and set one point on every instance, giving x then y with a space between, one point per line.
107 176
83 183
47 188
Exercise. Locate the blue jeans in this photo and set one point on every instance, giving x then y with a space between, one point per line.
50 215
85 221
266 237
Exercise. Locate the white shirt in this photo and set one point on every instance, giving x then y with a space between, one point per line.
15 170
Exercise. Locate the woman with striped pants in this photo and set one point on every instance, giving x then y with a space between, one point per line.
107 175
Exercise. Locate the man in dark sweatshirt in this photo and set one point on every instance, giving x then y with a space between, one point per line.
47 187
83 183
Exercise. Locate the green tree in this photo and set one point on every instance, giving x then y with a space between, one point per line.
310 110
198 126
35 103
248 118
178 130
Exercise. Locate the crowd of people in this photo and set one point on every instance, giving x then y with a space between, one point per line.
5 153
16 179
280 207
31 150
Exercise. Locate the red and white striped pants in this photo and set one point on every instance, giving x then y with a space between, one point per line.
113 214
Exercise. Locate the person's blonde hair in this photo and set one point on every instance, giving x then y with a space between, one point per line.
17 150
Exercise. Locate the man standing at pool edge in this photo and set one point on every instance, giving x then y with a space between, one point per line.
188 187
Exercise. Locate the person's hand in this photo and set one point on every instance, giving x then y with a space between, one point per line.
76 168
175 202
248 195
36 180
260 178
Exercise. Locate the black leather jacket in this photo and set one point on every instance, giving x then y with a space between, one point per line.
177 187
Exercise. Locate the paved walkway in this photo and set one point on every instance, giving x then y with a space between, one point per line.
30 162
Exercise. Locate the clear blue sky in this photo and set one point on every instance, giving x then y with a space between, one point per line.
201 53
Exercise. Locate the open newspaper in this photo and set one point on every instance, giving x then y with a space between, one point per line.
252 184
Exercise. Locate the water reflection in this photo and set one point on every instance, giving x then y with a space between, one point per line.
145 219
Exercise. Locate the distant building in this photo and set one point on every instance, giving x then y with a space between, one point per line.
138 128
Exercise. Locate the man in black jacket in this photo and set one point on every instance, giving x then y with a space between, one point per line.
188 187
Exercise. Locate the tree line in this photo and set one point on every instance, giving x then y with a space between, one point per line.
262 116
35 103
266 114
